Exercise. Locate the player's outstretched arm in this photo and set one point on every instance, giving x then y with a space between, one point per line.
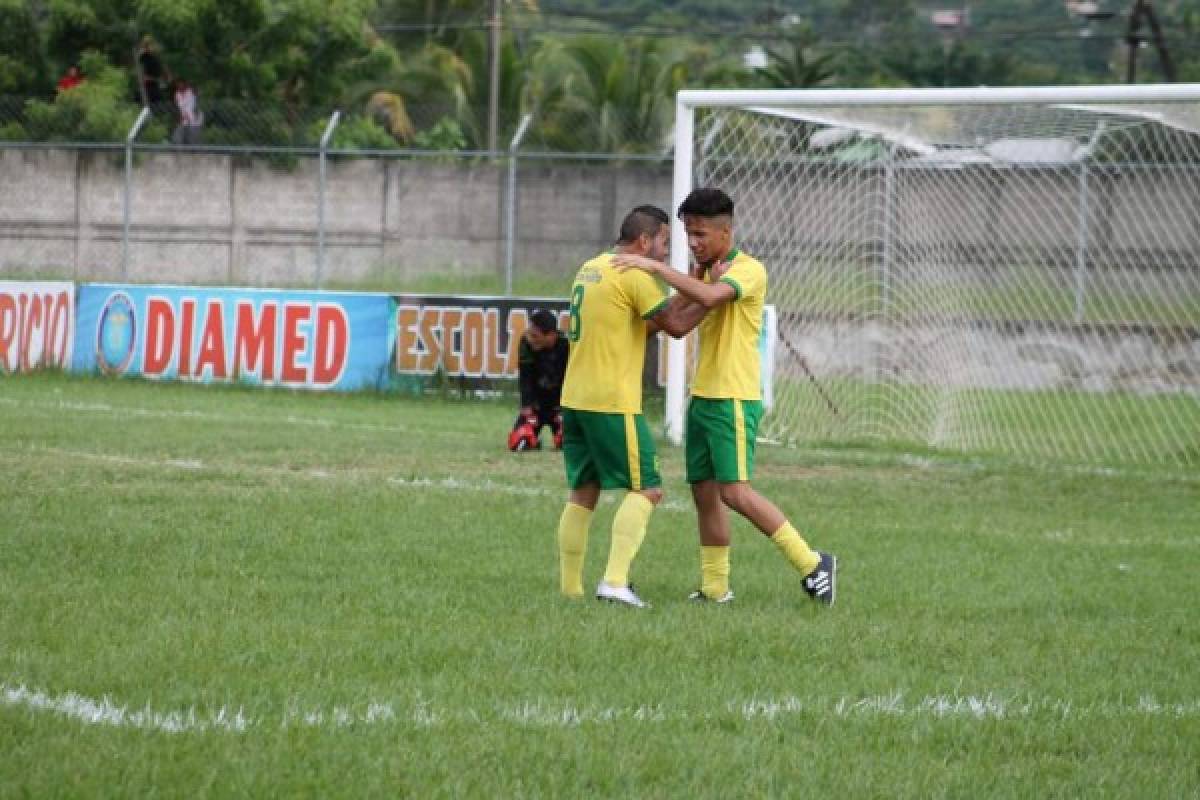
709 295
678 318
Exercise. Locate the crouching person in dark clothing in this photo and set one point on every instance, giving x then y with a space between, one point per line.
542 360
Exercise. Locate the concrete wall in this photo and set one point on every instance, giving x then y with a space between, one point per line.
204 218
980 355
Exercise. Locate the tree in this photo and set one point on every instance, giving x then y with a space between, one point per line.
264 69
447 79
303 51
515 82
95 111
23 69
608 96
415 93
796 66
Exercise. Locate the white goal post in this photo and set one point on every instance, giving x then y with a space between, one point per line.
1011 271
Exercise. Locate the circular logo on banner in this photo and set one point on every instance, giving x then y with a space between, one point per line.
115 334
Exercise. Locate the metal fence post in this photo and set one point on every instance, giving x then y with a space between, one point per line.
325 137
125 201
510 204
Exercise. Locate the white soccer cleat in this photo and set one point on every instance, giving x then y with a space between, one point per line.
620 594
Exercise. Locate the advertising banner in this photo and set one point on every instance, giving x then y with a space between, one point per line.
471 341
464 336
37 325
268 337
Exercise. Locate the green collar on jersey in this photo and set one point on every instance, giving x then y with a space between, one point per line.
730 256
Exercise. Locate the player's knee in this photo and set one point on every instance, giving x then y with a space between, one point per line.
654 495
735 495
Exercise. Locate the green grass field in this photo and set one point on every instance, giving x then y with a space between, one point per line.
232 592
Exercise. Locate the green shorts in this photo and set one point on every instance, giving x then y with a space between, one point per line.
615 451
720 439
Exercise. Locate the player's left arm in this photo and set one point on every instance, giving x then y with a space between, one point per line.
708 295
677 318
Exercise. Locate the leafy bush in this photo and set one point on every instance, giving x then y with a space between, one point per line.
356 133
446 134
98 110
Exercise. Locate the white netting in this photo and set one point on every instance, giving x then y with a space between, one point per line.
1022 279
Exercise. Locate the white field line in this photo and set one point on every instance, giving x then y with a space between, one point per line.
189 414
537 714
319 473
106 712
947 463
1065 538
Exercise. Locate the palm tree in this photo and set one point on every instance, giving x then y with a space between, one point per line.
414 92
605 95
446 77
513 84
796 66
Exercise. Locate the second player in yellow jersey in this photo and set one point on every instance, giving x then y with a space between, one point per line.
728 363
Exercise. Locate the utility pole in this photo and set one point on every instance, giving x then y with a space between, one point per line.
952 23
493 75
1145 8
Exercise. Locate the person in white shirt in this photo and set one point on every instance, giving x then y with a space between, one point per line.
190 118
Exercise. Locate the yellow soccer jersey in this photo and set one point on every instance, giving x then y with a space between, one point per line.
608 337
729 363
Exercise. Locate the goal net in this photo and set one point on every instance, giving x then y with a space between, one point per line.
1014 271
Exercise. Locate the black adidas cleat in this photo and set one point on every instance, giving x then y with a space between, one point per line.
821 583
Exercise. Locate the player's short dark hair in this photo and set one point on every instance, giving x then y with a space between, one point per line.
544 320
643 219
707 203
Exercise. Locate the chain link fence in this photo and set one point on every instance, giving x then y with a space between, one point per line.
516 223
380 194
378 121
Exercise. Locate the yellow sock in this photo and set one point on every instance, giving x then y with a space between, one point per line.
714 571
572 546
795 549
629 528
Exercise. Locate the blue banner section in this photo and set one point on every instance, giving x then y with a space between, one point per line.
269 337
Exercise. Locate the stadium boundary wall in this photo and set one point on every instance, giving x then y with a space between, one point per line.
220 219
204 218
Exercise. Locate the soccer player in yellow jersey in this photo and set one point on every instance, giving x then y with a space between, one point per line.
606 442
726 399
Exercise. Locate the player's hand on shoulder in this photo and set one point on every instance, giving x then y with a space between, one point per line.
627 261
718 269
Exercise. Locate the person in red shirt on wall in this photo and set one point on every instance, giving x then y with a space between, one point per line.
72 78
